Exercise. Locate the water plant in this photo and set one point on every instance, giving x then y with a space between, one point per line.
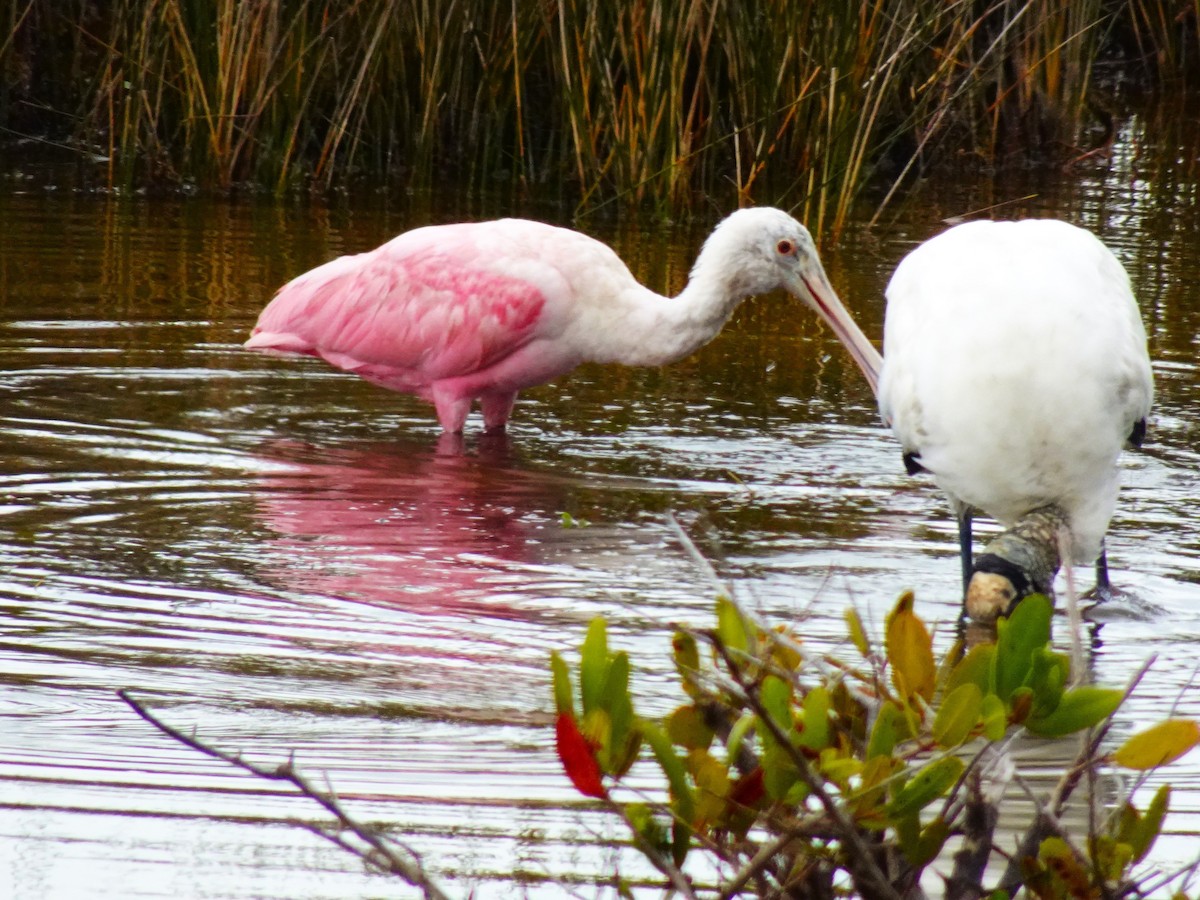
795 773
665 104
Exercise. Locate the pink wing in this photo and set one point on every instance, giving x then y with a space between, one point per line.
431 304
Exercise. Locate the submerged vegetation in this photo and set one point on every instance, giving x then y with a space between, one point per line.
646 103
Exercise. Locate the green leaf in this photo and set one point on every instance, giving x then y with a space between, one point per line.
910 650
681 841
642 819
1017 637
1047 675
930 782
563 701
924 848
1080 708
886 731
776 697
858 634
593 665
682 797
687 728
958 715
1158 745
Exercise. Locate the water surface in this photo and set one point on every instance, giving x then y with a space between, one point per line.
288 559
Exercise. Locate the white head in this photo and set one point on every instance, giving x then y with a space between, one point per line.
758 250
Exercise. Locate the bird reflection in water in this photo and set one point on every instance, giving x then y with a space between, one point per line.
396 525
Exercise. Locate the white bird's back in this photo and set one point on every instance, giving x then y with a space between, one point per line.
1015 367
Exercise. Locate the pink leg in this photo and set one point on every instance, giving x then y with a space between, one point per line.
497 407
452 409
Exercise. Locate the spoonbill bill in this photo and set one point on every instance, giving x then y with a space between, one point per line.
455 313
1015 371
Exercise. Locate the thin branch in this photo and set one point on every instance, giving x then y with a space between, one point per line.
1045 824
678 880
861 861
382 854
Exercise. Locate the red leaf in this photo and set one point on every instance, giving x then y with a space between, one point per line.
578 757
748 791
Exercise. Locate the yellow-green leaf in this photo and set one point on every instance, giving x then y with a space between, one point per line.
687 660
732 628
858 634
974 668
737 734
1150 824
1158 745
910 650
957 715
687 728
1057 857
563 702
995 718
816 734
712 787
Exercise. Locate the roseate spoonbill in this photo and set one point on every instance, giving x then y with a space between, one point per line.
1015 371
451 313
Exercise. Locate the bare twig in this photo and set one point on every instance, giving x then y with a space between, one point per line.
382 853
980 816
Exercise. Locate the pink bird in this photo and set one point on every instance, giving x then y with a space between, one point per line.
455 313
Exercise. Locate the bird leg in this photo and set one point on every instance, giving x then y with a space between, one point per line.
1102 580
1020 561
965 553
452 409
497 407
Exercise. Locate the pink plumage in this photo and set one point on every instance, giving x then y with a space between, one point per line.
455 313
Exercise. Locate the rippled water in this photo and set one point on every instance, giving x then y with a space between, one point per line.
286 559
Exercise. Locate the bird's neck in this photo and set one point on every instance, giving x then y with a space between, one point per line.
661 330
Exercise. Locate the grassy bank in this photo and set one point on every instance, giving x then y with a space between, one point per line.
647 103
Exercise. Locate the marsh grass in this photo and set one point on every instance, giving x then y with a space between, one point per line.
648 103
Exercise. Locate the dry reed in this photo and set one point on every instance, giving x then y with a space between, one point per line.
646 103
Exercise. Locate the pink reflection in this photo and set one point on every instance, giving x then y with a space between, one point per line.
396 525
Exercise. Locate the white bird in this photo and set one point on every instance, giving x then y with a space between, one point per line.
1015 371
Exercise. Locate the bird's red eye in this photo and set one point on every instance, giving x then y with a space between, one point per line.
785 248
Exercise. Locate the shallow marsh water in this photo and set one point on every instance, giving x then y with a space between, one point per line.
289 559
